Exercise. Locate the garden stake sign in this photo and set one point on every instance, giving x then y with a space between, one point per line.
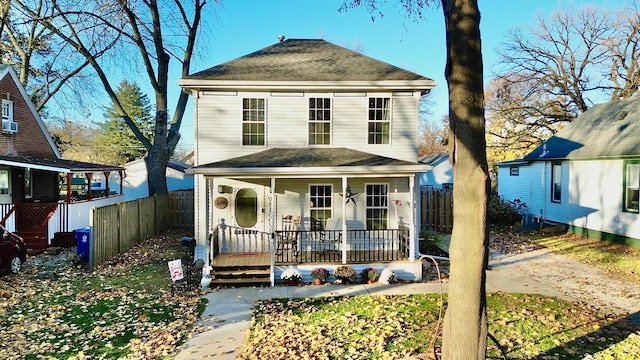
175 269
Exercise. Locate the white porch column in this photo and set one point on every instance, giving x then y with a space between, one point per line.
199 208
412 221
344 220
273 205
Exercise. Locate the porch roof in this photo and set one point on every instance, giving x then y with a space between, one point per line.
309 162
59 165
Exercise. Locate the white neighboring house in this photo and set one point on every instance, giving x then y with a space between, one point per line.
586 176
136 185
305 129
440 176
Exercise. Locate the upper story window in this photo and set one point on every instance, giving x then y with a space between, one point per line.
319 121
253 121
7 110
556 182
379 124
631 186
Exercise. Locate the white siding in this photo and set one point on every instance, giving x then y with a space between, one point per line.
592 194
219 124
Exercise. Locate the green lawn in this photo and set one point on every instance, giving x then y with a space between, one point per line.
394 327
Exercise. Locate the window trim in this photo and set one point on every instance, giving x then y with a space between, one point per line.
625 187
317 122
384 207
554 166
514 171
257 122
9 104
388 121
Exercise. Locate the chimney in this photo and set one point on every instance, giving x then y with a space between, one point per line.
281 38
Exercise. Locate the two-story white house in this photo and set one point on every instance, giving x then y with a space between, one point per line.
307 151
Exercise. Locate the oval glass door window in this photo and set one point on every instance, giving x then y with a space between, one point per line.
246 208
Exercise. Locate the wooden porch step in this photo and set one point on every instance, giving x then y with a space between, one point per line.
242 273
239 282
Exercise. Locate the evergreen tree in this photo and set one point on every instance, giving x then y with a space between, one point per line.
117 138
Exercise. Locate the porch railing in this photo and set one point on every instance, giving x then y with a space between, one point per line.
361 246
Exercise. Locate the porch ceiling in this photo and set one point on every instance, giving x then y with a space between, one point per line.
59 165
308 162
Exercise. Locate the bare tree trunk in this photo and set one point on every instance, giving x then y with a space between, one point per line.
465 326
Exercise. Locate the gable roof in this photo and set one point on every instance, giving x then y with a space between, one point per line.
7 70
307 61
609 130
308 161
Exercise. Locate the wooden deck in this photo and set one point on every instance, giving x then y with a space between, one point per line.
243 259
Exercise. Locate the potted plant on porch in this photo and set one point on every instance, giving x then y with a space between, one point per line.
319 275
345 274
291 276
370 275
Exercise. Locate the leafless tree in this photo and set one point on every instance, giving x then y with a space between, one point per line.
43 64
554 70
149 33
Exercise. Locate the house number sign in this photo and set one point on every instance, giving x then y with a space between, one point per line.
221 202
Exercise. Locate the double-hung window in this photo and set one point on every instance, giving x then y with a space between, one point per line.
631 185
377 206
320 205
253 122
319 121
379 125
556 183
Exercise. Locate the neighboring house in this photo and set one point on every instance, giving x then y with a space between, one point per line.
440 176
31 173
586 176
136 185
308 131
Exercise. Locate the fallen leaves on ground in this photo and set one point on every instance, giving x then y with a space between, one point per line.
124 309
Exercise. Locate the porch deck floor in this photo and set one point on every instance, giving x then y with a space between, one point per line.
305 257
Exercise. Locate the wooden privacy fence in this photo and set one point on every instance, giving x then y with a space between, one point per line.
119 227
436 210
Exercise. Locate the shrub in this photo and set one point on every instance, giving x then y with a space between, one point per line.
345 274
320 273
504 212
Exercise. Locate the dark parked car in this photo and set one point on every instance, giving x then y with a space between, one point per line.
13 251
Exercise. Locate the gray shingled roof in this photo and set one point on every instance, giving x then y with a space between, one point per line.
56 164
306 157
609 130
305 60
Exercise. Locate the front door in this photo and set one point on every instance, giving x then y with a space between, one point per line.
248 208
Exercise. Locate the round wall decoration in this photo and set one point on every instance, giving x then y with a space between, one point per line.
221 202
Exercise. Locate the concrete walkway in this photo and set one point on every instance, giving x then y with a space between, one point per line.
226 319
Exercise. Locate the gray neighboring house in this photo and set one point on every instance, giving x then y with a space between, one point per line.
586 176
308 130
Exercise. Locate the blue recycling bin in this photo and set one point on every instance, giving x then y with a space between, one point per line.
83 237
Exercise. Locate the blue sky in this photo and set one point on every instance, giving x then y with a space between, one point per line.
238 27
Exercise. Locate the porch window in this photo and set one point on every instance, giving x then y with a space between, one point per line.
377 206
379 120
4 182
28 189
632 186
319 121
253 121
246 208
556 182
320 204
